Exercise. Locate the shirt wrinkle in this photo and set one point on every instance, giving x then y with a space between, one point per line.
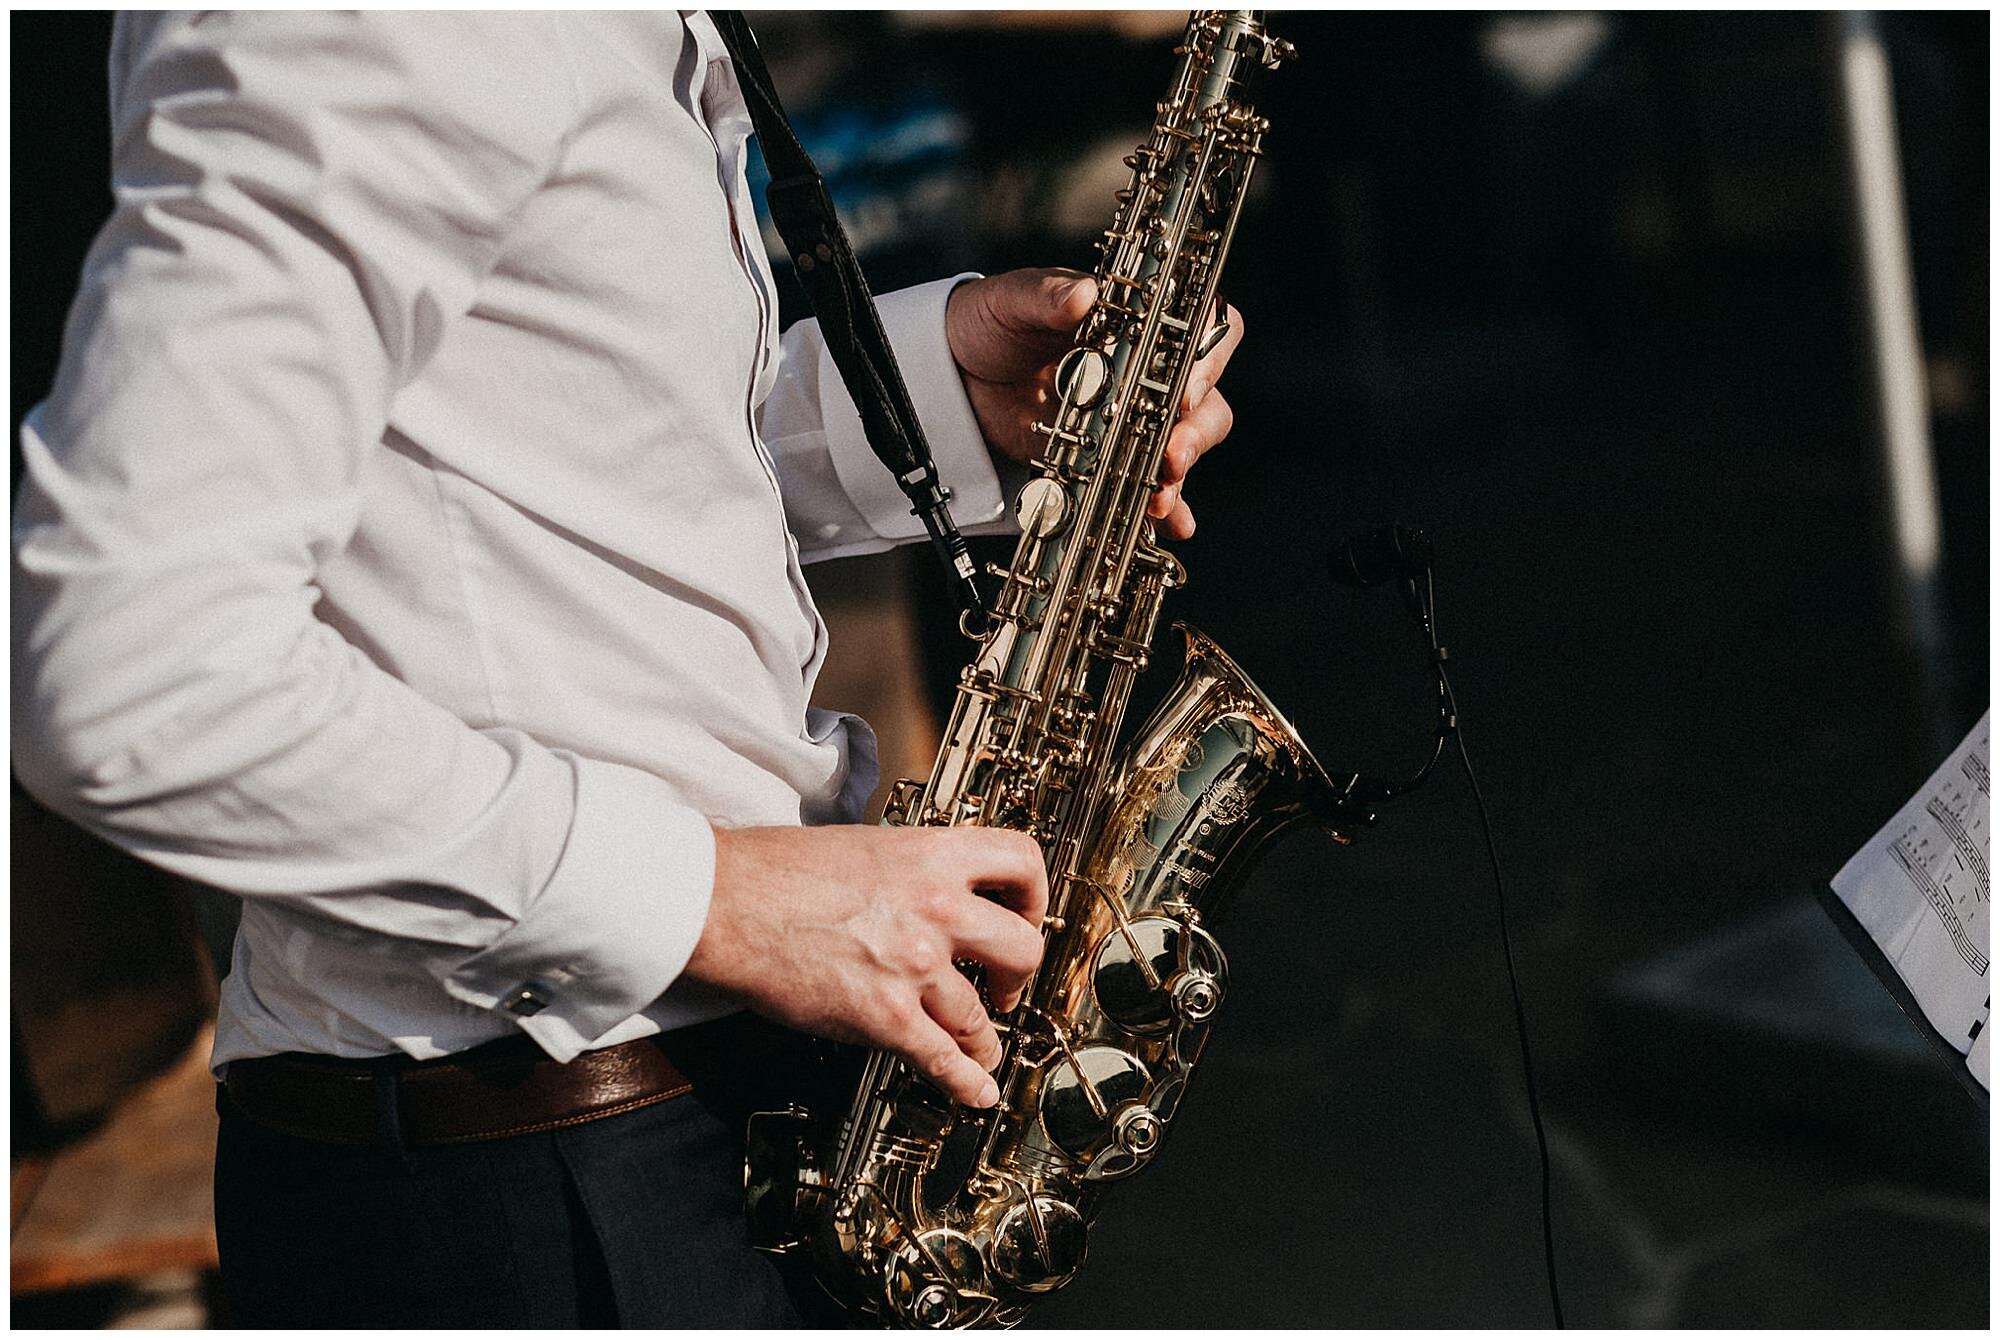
473 363
462 582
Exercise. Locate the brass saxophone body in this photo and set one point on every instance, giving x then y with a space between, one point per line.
918 1212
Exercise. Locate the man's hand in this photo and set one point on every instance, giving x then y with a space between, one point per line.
849 932
1008 332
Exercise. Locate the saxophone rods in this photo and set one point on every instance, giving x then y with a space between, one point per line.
916 1212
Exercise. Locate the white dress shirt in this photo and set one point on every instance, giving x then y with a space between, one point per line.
411 542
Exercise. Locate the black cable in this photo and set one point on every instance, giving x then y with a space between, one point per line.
1429 620
1365 790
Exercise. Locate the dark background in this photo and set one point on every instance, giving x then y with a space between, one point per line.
1603 339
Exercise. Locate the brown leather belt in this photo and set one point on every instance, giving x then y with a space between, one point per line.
504 1088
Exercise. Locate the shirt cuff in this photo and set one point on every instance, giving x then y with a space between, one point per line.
913 319
615 924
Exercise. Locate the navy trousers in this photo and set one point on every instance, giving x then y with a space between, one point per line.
631 1220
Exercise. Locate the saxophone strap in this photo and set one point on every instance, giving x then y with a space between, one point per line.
833 283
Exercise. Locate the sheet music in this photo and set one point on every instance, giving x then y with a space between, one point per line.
1921 888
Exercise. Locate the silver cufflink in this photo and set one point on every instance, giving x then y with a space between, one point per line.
526 999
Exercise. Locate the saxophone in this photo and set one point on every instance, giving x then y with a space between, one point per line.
917 1212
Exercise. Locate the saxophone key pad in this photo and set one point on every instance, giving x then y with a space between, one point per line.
1085 1093
1082 376
915 1295
1177 976
1041 507
1039 1244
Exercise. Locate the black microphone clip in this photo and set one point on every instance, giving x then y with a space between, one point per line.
1402 554
1386 553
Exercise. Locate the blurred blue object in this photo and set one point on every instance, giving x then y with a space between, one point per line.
898 171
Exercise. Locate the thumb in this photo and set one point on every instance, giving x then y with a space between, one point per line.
1009 326
1067 296
1033 302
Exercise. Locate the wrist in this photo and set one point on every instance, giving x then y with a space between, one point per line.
714 949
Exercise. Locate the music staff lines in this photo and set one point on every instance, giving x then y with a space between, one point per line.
1969 850
1940 902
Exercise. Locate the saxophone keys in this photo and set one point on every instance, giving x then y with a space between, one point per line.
1136 1130
1041 508
1156 973
901 807
936 1280
1039 1244
1082 376
1196 996
1086 1107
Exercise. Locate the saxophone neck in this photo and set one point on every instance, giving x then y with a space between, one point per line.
1237 43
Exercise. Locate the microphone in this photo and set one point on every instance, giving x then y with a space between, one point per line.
1387 553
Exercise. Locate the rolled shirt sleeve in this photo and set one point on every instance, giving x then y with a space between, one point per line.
302 203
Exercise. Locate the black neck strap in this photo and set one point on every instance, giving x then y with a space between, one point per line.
832 279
